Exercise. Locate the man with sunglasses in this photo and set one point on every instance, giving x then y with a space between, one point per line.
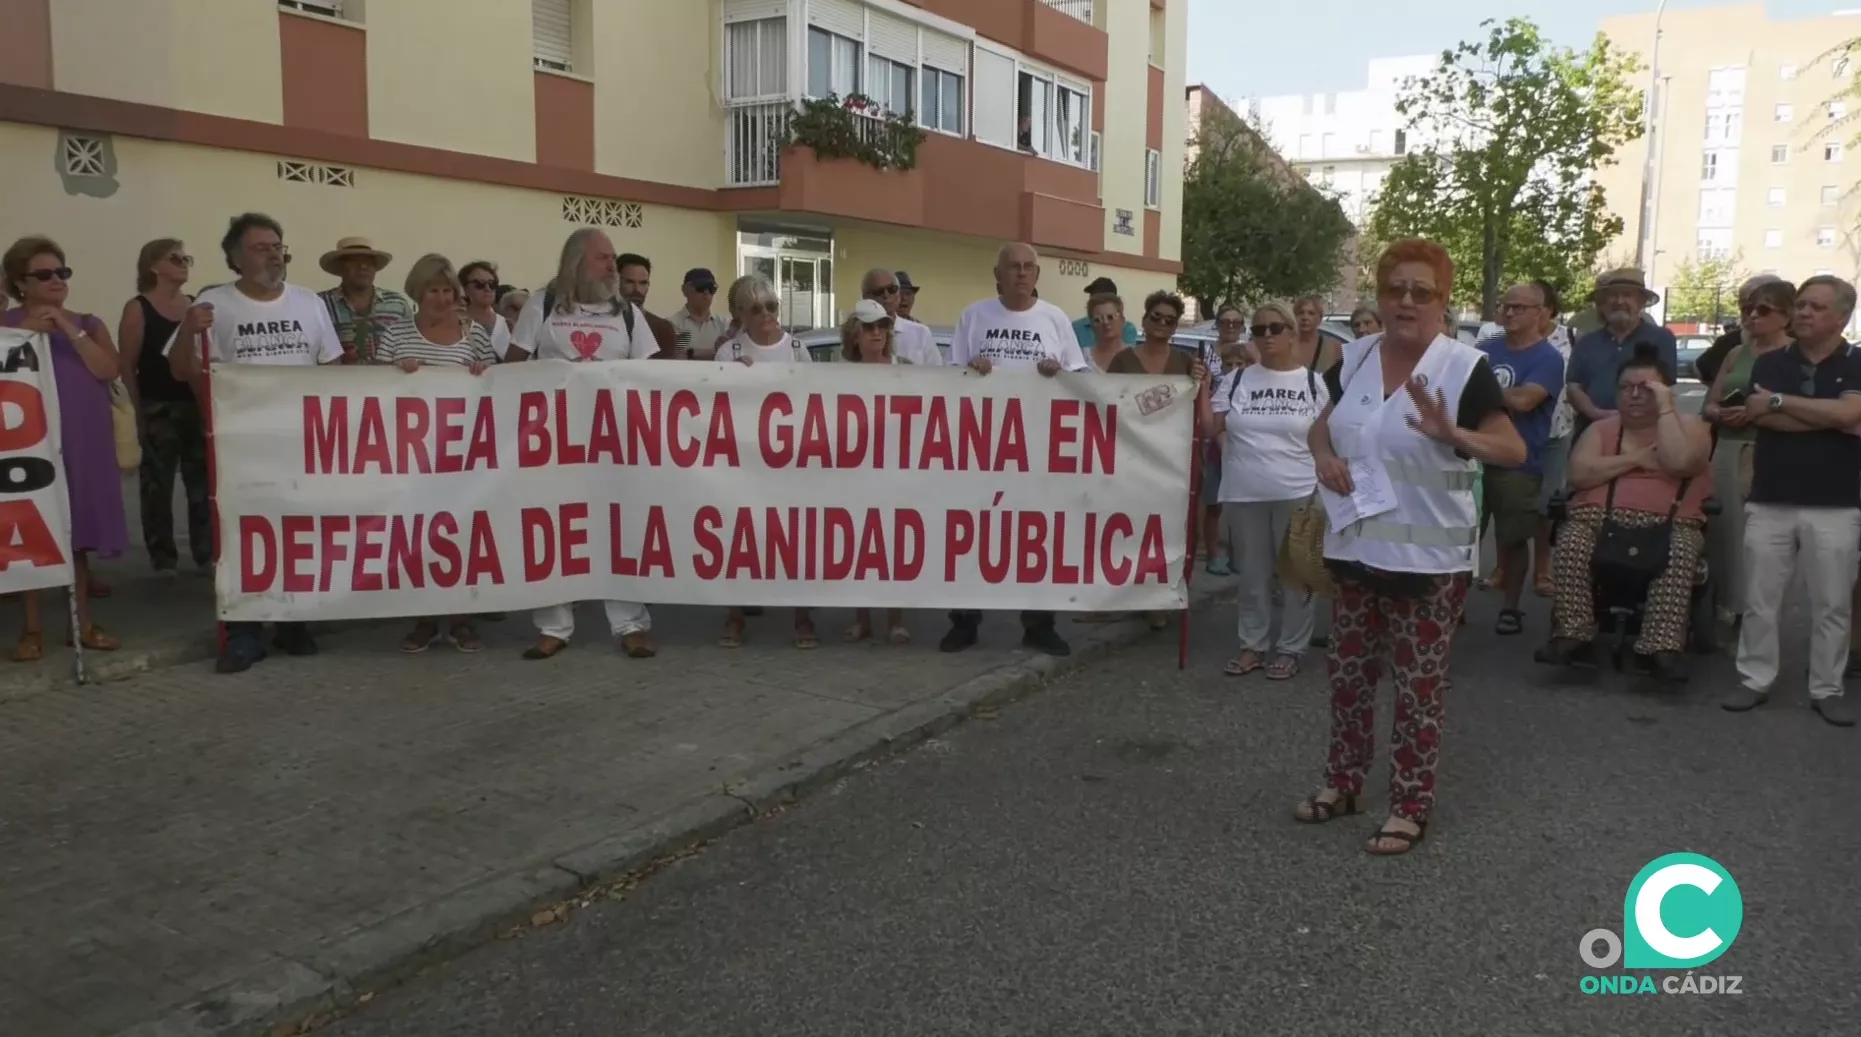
697 326
912 342
1804 510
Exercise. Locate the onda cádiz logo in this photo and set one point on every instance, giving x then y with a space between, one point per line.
1682 911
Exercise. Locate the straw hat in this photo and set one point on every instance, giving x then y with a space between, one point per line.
1626 277
352 247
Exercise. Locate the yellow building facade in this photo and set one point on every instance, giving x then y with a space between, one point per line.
493 128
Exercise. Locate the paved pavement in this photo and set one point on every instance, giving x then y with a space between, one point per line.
190 851
1114 856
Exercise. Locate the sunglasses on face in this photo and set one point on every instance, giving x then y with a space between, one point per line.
485 286
1517 307
884 289
60 273
1268 330
1758 309
1164 319
882 325
1107 317
1230 323
704 289
1419 294
761 309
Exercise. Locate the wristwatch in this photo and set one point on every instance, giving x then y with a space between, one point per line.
1776 403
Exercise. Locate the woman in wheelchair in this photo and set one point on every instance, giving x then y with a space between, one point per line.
1636 523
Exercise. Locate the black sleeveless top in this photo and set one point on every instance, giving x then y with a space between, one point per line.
154 381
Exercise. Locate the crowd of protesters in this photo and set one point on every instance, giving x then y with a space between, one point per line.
1465 436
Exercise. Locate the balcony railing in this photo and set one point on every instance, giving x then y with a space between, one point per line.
1080 9
755 134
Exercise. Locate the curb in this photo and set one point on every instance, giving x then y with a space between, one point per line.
282 996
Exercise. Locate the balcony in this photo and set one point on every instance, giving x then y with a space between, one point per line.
1080 9
959 186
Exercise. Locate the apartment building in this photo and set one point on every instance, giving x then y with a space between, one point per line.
1346 141
1200 103
492 128
1747 161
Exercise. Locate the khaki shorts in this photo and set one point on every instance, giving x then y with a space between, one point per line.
1512 501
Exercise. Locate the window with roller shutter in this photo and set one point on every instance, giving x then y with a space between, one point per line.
892 46
993 101
552 33
944 105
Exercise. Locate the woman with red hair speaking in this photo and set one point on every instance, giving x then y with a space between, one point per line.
1413 414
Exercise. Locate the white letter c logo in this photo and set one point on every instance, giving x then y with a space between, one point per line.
1648 912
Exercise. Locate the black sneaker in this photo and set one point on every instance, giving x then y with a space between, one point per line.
1744 700
1567 651
295 640
1046 639
959 638
1663 666
240 655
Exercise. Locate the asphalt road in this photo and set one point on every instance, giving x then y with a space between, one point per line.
1115 856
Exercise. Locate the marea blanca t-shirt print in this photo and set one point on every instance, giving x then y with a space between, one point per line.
1269 414
1016 340
293 330
583 334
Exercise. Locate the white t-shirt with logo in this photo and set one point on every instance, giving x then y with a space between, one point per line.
1269 413
787 351
915 344
1016 340
293 330
583 334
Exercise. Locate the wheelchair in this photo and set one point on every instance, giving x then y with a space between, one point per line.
1620 600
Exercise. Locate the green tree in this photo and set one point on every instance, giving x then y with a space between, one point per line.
1705 291
1511 133
1253 229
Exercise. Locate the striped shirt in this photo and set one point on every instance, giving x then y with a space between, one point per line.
403 341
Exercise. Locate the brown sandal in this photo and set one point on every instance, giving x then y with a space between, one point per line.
30 649
465 638
805 637
96 640
1314 810
732 637
424 634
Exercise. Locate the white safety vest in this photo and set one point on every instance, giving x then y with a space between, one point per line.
1434 527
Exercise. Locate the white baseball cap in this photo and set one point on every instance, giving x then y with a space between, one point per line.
868 311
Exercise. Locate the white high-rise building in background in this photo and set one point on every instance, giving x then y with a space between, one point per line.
1345 141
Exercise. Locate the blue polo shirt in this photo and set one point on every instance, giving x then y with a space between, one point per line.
1087 338
1538 364
1597 358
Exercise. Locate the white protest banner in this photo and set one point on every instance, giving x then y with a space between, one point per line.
35 510
368 492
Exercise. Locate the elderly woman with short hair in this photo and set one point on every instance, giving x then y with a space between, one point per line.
868 337
1365 321
440 335
1423 411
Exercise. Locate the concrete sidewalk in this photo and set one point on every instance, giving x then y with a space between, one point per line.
184 854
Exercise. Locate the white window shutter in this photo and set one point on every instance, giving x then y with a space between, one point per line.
841 17
946 52
751 10
994 98
893 37
553 34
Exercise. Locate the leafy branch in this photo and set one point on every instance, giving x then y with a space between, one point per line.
856 127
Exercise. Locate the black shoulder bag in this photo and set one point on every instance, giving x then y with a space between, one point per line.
1644 551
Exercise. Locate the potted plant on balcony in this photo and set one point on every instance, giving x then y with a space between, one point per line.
856 127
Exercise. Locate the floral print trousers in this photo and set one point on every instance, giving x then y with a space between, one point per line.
1407 635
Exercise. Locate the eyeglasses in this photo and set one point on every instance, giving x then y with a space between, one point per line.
1268 330
704 289
1419 294
883 324
1758 309
1107 317
884 289
1230 323
183 260
1164 319
759 309
481 285
1517 307
61 273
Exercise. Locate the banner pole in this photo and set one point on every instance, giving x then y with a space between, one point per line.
1195 495
213 480
77 633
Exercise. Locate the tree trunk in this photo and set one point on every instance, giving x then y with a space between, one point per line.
1491 259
